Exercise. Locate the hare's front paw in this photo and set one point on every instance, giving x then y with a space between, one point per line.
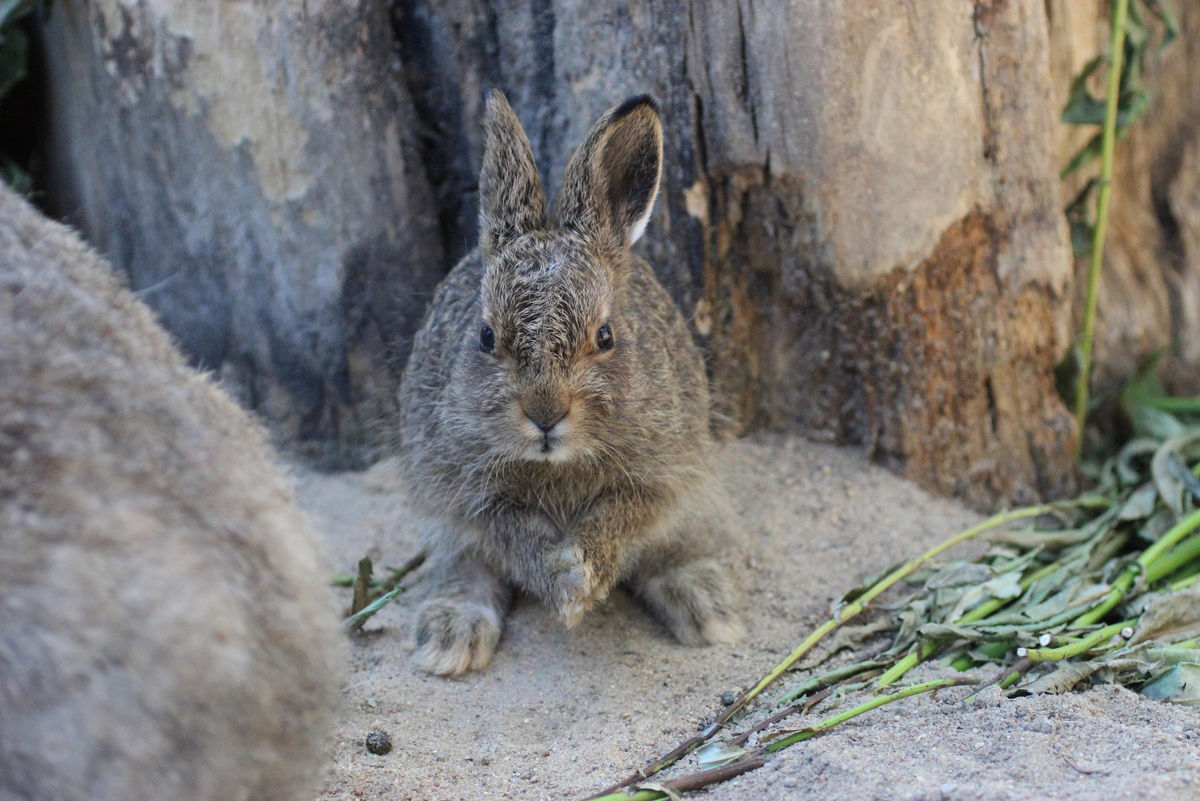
454 636
572 581
696 602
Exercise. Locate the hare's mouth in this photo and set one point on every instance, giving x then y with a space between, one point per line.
548 444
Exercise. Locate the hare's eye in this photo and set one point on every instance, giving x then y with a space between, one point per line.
487 340
604 338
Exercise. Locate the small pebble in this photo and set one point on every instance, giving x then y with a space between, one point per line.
1043 724
378 742
728 697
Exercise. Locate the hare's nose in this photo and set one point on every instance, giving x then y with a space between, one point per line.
546 419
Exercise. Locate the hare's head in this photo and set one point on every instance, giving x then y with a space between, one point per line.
557 330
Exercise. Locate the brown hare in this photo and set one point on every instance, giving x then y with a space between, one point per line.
554 424
165 631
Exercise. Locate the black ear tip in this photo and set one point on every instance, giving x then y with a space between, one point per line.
632 104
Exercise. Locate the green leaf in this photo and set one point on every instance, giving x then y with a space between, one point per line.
1142 387
1136 32
1170 617
1131 107
714 755
1089 153
1179 685
959 574
1005 586
1081 107
1061 680
1157 525
1161 10
1140 504
1173 656
1083 234
1169 467
14 46
835 608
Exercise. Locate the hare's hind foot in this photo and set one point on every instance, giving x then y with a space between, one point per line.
458 627
695 601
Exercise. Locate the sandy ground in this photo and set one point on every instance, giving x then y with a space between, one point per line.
563 713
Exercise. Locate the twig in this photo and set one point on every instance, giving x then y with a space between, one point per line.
692 781
399 573
874 703
355 622
362 586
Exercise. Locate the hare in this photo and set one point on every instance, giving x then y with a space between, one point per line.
554 415
165 629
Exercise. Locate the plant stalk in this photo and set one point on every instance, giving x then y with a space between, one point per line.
1144 563
1089 642
1112 95
874 703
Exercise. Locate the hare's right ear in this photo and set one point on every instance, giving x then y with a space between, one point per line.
511 201
612 180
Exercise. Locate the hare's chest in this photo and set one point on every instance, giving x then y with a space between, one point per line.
563 500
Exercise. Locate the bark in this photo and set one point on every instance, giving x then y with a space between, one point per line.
250 167
860 213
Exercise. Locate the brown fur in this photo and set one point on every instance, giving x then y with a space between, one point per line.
165 632
552 465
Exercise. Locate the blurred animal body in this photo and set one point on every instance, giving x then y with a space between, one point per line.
554 425
165 630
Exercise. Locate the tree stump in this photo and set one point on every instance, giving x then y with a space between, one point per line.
860 212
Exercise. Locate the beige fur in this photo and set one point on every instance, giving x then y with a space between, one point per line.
574 453
165 631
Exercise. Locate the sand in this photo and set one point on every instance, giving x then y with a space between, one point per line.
563 713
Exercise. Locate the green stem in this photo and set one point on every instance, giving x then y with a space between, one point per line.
1011 679
1188 550
1185 582
897 671
1089 642
1169 404
1117 52
356 621
1143 565
874 703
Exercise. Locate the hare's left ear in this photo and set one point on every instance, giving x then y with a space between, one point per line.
610 185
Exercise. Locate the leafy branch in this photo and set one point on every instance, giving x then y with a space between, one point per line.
1125 100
